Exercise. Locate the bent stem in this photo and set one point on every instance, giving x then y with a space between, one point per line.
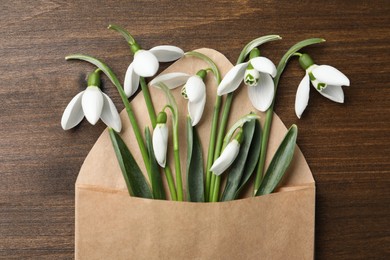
215 180
223 143
214 121
175 132
153 120
148 101
269 114
110 74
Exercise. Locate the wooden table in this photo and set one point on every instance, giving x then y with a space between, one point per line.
347 146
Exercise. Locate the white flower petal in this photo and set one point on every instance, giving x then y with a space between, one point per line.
92 103
232 79
195 88
165 53
145 63
73 113
262 95
302 96
171 80
334 93
160 143
264 65
131 81
226 159
330 75
110 115
195 110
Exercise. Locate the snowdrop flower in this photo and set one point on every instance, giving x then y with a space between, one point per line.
194 90
327 80
257 74
229 154
146 63
160 139
93 104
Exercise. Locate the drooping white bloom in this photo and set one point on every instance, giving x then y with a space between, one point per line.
160 143
160 139
327 80
146 64
227 157
194 90
257 74
93 104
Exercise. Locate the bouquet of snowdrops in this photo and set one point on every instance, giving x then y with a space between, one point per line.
237 154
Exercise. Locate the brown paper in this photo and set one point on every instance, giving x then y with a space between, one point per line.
112 225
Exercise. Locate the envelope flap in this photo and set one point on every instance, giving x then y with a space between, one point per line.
100 169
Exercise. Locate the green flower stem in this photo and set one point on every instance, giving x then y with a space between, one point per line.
269 115
167 169
148 102
175 132
171 182
179 182
110 74
153 120
215 119
212 141
216 180
176 155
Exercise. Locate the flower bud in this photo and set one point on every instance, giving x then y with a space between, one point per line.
229 154
160 143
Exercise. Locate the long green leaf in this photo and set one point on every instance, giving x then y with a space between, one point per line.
270 112
279 162
156 180
253 157
195 182
135 180
237 169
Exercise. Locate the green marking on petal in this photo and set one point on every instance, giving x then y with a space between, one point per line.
321 86
184 92
251 77
311 76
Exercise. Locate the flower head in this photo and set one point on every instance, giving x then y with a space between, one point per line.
229 154
93 104
327 80
146 64
257 74
194 90
160 139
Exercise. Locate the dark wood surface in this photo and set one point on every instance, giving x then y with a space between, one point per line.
346 146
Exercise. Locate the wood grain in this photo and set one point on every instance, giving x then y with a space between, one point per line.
347 146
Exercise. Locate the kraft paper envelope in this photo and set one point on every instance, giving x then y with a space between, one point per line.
112 225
